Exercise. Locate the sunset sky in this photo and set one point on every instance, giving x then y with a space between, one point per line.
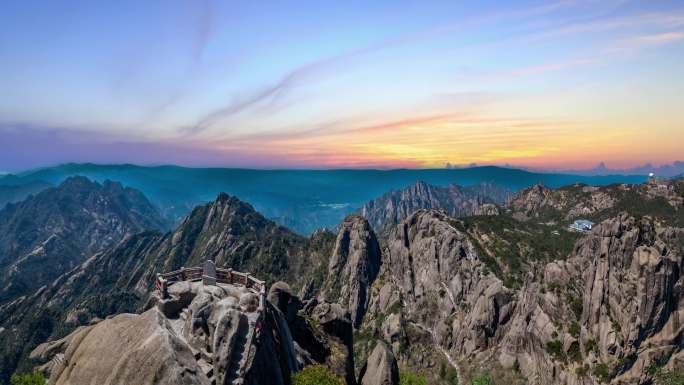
316 84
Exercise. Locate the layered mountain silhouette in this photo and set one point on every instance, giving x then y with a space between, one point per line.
50 233
439 292
302 200
458 201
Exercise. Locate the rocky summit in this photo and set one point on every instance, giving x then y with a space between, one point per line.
458 201
515 296
52 232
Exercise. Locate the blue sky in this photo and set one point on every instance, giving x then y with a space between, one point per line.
561 84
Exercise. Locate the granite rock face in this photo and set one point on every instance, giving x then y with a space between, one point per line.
633 298
397 205
353 266
205 335
52 232
200 335
582 308
616 301
128 349
335 332
381 368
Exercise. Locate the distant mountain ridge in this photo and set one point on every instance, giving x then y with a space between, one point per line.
12 193
397 205
304 200
53 231
437 292
673 170
120 279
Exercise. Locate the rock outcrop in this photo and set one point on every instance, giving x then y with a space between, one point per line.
397 205
606 313
381 368
633 299
121 278
353 266
127 349
206 334
515 294
335 332
50 233
200 335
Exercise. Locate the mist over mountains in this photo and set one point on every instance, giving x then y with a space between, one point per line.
457 281
303 200
674 169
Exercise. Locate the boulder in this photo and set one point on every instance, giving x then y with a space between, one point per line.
129 349
381 368
219 337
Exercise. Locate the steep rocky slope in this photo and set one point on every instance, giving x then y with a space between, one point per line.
119 280
353 266
52 232
604 310
458 201
202 334
17 190
598 203
515 295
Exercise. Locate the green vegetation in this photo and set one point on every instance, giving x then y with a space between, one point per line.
316 375
513 244
576 304
483 379
555 349
582 371
639 205
669 377
591 346
411 378
574 329
574 352
364 343
448 373
602 372
36 378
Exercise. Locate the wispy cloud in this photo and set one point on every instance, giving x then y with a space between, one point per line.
320 69
640 42
658 39
202 26
475 75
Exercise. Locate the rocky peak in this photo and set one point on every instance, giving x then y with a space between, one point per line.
353 266
233 234
532 200
77 183
206 334
632 304
53 231
395 206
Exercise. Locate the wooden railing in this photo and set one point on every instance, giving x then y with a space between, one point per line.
225 276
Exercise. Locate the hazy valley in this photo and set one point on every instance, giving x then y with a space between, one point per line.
443 284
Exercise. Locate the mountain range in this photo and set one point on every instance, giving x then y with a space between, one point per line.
396 205
674 169
442 291
303 200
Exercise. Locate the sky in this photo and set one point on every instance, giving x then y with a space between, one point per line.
355 84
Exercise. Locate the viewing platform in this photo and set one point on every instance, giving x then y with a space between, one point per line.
209 274
229 295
